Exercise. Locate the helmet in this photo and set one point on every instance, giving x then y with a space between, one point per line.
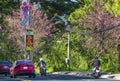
41 59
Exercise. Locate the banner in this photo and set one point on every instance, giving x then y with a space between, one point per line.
29 39
24 13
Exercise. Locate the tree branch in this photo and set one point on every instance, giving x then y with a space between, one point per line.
107 29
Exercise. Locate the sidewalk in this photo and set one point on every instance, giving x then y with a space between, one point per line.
104 75
111 76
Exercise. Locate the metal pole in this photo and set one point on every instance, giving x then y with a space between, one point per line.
68 51
28 55
28 25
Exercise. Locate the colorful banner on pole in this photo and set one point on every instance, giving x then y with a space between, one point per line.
24 12
29 39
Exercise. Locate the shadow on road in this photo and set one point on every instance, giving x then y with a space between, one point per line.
52 77
60 77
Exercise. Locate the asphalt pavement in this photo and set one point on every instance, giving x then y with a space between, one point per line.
65 76
107 75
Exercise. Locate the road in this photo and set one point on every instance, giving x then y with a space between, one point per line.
56 77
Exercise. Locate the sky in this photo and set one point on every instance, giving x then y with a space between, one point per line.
73 0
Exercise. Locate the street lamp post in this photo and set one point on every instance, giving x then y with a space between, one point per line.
68 48
69 29
28 30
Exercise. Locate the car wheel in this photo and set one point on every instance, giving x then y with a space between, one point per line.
11 76
29 76
14 76
34 76
5 74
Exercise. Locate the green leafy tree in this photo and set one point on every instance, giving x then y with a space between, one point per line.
113 7
102 27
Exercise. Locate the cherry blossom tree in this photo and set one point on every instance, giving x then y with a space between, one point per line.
104 26
39 22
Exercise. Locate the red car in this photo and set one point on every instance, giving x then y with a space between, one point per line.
5 67
22 68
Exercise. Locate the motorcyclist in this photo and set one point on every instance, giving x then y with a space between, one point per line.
96 62
41 64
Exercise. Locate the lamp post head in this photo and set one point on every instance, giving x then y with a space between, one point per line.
68 28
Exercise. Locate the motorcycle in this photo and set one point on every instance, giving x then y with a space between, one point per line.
43 70
96 72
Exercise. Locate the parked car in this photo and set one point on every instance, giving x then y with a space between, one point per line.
5 67
22 68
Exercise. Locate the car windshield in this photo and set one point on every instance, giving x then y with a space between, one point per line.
5 63
23 62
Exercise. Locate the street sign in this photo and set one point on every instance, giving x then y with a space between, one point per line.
29 32
29 39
